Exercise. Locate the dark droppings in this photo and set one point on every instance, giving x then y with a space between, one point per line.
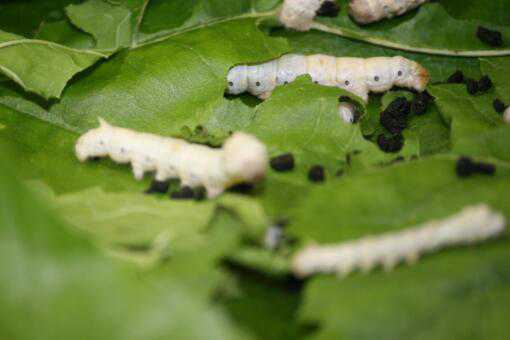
199 194
394 118
466 167
484 84
400 106
283 162
242 188
489 37
390 144
329 9
499 106
158 187
486 168
392 122
182 194
472 86
456 78
420 103
316 174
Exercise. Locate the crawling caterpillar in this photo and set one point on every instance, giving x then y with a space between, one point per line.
299 14
471 225
369 11
356 75
242 158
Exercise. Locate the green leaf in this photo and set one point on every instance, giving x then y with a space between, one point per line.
311 125
394 197
431 29
40 66
25 17
498 70
110 25
452 295
64 33
76 286
135 218
165 18
45 151
162 94
476 129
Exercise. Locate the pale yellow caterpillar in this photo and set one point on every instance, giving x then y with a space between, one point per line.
356 75
300 14
242 159
471 225
369 11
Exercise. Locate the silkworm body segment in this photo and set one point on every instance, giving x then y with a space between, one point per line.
473 224
299 14
369 11
243 158
356 75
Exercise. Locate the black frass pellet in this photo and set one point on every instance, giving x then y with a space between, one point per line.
485 84
489 37
158 187
499 106
182 194
316 174
456 78
390 144
328 9
472 86
420 103
283 162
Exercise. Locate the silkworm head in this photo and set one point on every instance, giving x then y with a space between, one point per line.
94 143
237 79
410 74
245 158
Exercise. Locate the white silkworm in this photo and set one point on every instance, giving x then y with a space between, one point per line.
299 14
369 11
356 75
473 224
243 158
506 115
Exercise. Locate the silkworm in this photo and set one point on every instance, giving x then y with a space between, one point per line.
243 158
300 14
473 224
356 75
369 11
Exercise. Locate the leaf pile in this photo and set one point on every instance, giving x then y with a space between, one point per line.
85 253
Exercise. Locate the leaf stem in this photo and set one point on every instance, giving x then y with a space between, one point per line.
397 46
